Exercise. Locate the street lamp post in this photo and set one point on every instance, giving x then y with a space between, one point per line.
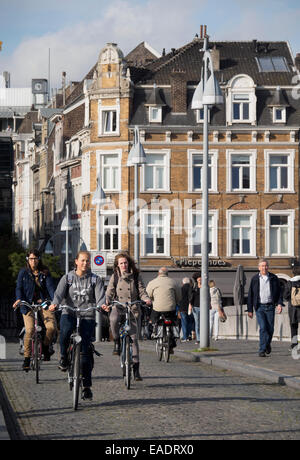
207 93
136 158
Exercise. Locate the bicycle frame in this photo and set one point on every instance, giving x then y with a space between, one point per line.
164 336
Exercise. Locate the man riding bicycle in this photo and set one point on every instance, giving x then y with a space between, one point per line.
80 288
165 294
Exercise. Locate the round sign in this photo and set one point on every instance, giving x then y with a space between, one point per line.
99 260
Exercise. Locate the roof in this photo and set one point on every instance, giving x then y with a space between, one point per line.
142 55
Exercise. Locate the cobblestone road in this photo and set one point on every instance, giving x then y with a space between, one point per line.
175 401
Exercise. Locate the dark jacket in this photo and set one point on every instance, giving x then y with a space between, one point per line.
294 312
26 287
186 294
253 293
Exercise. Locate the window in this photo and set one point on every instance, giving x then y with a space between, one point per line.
110 232
155 114
272 64
195 233
279 233
279 114
156 172
155 233
109 120
241 107
241 171
109 164
195 159
279 171
241 233
200 115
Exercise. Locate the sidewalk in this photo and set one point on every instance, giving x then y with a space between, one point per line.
241 356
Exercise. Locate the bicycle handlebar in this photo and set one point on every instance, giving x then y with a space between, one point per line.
33 306
128 304
77 309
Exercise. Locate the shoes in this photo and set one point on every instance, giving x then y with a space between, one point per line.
26 364
171 351
136 372
262 354
87 393
196 343
63 364
183 341
268 349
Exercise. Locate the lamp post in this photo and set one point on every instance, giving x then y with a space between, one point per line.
98 199
136 158
207 93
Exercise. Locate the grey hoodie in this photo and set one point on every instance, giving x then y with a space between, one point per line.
80 293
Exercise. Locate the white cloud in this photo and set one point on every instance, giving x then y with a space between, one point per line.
163 24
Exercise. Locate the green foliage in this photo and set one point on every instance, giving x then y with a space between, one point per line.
8 245
53 263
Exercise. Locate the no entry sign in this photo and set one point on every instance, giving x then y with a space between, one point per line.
98 263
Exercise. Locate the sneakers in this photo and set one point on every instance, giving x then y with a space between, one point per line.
63 364
87 393
26 364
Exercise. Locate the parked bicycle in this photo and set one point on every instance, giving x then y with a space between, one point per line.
74 356
165 337
37 339
125 339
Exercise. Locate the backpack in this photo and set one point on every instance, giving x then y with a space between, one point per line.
69 280
136 281
295 296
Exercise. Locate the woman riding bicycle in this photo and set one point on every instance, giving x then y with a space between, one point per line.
35 285
82 289
126 285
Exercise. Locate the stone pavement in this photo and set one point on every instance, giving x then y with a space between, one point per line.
281 366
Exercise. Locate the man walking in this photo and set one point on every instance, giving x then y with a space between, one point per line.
264 295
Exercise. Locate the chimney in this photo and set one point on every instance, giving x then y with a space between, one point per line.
215 56
202 32
178 91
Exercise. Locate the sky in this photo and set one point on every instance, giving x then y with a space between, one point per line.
75 31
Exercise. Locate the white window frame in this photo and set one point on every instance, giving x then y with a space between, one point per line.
290 213
166 175
214 154
167 229
102 215
241 85
100 168
200 116
290 153
157 119
214 214
253 156
283 115
101 110
253 219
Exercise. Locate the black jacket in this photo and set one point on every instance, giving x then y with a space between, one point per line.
253 293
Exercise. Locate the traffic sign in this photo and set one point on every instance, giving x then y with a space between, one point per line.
98 263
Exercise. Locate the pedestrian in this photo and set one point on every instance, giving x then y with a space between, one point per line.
216 309
291 295
195 307
126 285
265 293
80 288
35 285
165 294
186 319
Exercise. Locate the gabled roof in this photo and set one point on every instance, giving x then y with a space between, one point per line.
234 58
142 55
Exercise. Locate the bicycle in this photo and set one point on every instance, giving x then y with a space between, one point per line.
164 337
126 340
73 354
37 340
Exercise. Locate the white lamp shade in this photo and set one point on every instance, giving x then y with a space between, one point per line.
197 97
212 94
66 225
99 196
137 155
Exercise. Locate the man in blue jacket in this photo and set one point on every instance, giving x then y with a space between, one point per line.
264 295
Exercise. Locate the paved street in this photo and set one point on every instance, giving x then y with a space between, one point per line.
180 401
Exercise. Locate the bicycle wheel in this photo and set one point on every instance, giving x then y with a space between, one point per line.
159 348
127 377
35 357
166 347
70 367
76 376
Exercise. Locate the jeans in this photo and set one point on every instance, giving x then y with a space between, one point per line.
214 322
87 330
49 321
186 324
265 315
196 313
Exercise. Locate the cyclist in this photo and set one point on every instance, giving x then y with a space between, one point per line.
165 294
35 285
126 285
80 288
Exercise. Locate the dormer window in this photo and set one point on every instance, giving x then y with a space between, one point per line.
155 104
279 114
241 101
200 115
278 105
